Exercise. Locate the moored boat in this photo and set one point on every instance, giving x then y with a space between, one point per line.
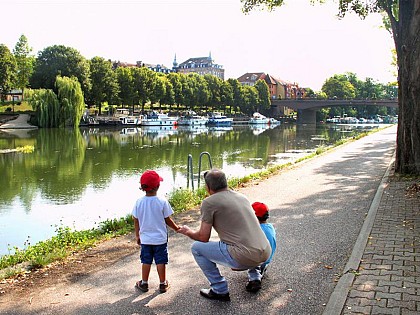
258 118
218 119
158 119
192 119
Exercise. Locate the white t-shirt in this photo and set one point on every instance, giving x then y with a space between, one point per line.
151 212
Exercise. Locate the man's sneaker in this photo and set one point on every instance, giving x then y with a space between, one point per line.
210 294
163 287
142 286
253 286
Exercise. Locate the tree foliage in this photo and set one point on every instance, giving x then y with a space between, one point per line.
7 70
70 97
263 95
63 61
339 87
104 82
24 62
58 110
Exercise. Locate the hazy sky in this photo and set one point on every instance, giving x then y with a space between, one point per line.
297 42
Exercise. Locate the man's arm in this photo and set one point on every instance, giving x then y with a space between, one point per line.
202 235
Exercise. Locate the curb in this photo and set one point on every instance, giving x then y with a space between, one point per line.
339 296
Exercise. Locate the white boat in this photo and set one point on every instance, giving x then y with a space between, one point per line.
258 118
274 122
192 119
130 120
218 119
158 119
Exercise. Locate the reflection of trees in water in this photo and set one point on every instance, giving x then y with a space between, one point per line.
66 161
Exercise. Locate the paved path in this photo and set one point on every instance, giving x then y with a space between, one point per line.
21 122
320 210
388 279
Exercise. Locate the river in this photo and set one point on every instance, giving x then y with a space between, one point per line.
78 178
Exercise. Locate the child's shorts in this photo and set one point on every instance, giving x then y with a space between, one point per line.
157 252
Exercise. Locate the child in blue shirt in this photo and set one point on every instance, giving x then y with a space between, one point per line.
256 274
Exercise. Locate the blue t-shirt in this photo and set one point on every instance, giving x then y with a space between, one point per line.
270 233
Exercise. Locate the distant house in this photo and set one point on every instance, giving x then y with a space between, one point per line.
13 95
201 66
278 89
139 64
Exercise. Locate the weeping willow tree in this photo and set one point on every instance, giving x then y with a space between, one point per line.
70 96
58 110
46 106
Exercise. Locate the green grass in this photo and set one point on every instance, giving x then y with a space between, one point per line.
65 242
7 108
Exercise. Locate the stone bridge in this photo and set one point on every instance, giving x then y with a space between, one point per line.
306 108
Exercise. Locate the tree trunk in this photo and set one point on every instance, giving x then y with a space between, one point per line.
407 43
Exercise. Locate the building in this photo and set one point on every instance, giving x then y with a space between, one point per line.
278 89
201 66
14 95
156 68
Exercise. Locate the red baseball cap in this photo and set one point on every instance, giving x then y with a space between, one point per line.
150 180
259 208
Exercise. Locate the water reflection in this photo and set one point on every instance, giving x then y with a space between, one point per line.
79 177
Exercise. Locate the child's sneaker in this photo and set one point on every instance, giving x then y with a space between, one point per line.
253 286
142 286
163 287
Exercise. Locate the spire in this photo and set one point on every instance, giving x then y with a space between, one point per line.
175 64
210 55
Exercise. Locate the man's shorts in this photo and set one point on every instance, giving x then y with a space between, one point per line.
157 252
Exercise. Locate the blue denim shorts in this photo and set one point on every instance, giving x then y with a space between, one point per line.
157 252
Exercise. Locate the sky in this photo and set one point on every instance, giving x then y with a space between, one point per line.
297 42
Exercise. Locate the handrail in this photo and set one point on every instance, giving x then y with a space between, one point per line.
190 172
199 165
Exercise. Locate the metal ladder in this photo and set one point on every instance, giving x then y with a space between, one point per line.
190 171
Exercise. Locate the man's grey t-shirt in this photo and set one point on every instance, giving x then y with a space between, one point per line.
231 215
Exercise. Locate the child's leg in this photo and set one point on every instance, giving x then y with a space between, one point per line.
145 271
161 269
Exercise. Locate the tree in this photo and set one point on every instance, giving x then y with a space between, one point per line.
263 95
236 88
104 82
24 63
58 110
175 79
60 60
338 86
144 84
403 17
226 92
7 70
127 94
169 97
70 97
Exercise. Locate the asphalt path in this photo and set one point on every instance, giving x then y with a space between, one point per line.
318 208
